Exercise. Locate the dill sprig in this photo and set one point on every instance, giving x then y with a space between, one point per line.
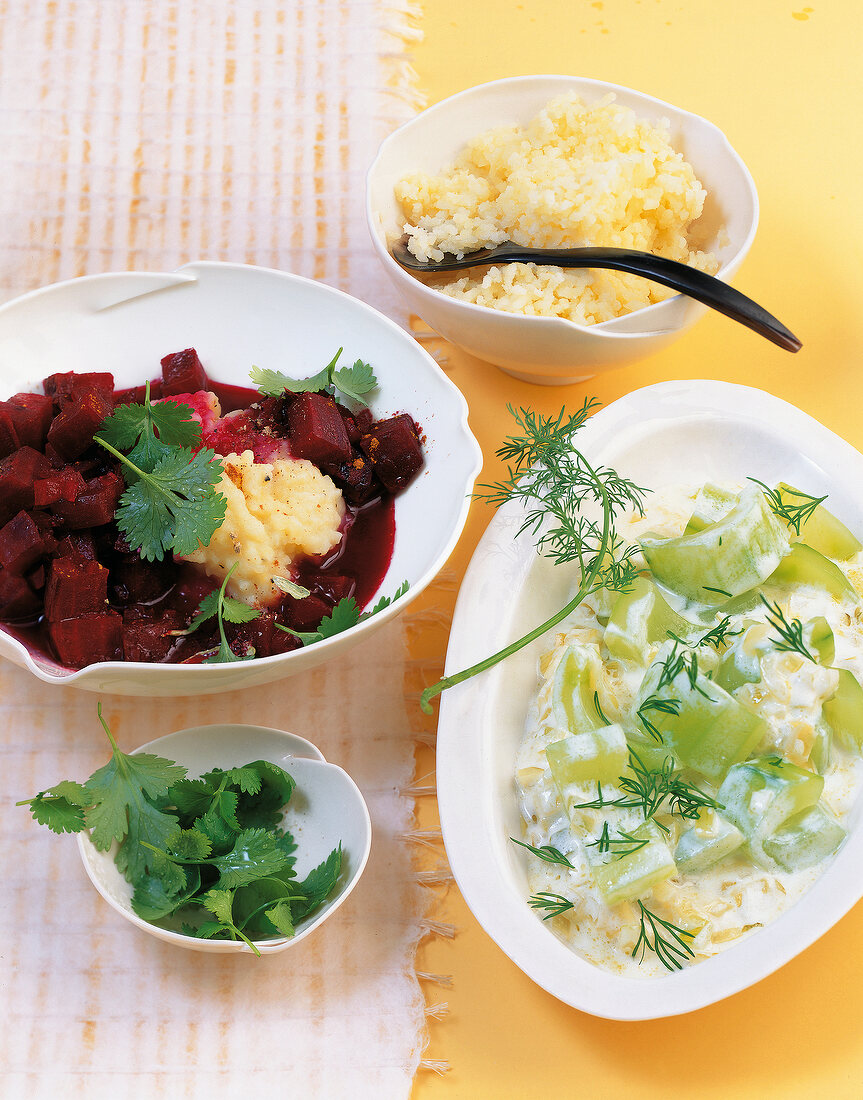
790 633
790 505
554 903
547 853
561 493
718 635
663 706
668 942
652 790
624 844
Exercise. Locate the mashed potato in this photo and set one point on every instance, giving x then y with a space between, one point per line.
576 175
277 512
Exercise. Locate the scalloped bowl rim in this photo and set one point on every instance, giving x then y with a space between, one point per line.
207 678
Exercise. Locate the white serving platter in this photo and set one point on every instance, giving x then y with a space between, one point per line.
672 432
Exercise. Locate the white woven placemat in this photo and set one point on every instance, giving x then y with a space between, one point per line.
142 134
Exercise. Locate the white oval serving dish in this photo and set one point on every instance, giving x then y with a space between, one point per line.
672 432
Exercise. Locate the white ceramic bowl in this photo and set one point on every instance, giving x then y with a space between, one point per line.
546 349
326 809
236 317
664 434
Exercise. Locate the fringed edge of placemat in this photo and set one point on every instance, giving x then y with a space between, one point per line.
432 870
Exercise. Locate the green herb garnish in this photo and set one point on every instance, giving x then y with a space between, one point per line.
558 487
225 609
790 505
655 704
211 846
668 942
553 903
352 382
547 853
344 615
171 502
790 633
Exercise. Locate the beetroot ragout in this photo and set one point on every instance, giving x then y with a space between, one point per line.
69 584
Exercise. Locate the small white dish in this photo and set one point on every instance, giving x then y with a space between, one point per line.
238 316
550 350
669 433
326 809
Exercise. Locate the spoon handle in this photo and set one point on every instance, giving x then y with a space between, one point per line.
688 280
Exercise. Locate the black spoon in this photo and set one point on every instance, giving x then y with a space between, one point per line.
688 280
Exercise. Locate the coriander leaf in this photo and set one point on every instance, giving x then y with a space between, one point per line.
61 808
281 918
174 506
318 885
263 809
218 830
233 610
193 797
189 845
385 601
221 904
273 383
254 855
356 381
149 431
345 614
247 778
121 806
153 900
253 900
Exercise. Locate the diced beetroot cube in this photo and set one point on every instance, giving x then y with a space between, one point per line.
75 587
36 578
316 430
23 543
18 472
149 639
31 415
394 448
95 506
9 441
183 372
134 580
73 428
18 601
88 639
306 614
331 587
356 478
262 635
72 387
66 484
77 544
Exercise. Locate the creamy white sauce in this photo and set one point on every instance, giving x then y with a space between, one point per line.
736 897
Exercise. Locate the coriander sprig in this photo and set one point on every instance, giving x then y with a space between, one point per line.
344 615
560 490
171 502
667 941
352 382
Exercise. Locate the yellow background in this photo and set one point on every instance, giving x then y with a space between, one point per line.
784 82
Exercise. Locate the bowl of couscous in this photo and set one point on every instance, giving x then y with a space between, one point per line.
558 161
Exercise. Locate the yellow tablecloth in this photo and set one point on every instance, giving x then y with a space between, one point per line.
785 82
